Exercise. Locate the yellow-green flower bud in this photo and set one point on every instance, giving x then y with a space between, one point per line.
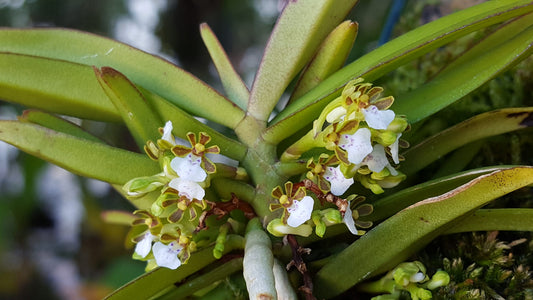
441 278
277 228
140 186
398 125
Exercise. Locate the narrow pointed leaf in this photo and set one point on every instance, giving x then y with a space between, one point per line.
137 114
79 156
481 126
54 85
503 49
330 57
299 31
232 82
392 55
57 124
392 241
151 72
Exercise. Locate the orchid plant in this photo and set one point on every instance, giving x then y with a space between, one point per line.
333 166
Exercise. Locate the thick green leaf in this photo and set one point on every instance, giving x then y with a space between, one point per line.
330 57
185 123
54 85
151 72
510 219
57 124
392 241
79 156
232 82
392 55
183 291
495 54
387 206
160 279
481 126
298 32
137 114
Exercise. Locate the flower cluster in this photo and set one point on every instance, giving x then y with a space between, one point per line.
364 135
359 140
299 216
164 231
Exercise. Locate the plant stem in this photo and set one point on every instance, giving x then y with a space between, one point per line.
260 163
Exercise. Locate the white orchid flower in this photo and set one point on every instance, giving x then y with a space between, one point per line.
167 255
189 167
377 160
339 183
300 211
378 119
358 145
143 246
187 188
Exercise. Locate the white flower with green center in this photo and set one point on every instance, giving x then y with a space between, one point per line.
143 246
358 145
300 211
378 119
377 160
349 221
339 183
187 188
167 255
189 167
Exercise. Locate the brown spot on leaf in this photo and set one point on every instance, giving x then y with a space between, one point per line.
527 120
424 220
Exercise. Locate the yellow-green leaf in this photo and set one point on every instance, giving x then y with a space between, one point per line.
137 114
330 57
79 156
153 73
54 85
398 237
299 31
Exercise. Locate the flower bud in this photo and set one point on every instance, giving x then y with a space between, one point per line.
140 186
441 278
277 228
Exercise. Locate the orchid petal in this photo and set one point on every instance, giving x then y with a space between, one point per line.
300 211
336 114
348 220
394 150
167 255
358 145
339 183
377 160
167 133
143 246
189 167
187 188
378 119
